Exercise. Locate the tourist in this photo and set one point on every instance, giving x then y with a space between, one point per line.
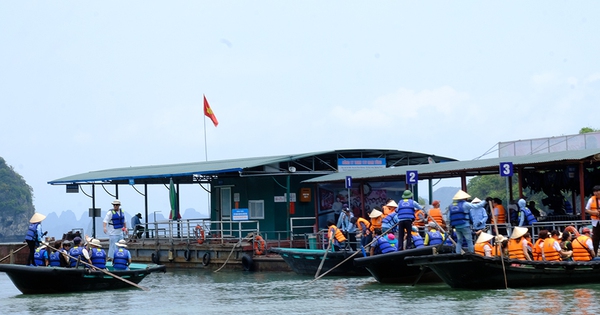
391 238
54 258
539 243
390 223
517 245
114 225
483 246
364 228
376 219
566 246
593 209
527 238
435 213
40 256
337 240
551 250
64 253
583 247
389 208
433 236
499 215
348 228
380 244
97 254
417 239
533 209
460 219
138 227
406 215
420 219
34 235
479 217
526 217
122 257
78 252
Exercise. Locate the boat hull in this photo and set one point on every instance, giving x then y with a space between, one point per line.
471 271
42 280
391 267
307 261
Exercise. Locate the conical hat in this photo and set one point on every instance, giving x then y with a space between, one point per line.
375 214
392 203
484 237
37 217
460 195
518 232
477 200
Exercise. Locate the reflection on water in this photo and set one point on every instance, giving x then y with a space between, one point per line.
233 292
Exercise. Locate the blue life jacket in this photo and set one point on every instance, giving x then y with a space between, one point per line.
417 240
98 257
390 221
75 252
38 257
529 217
449 239
32 232
120 259
458 216
118 219
383 246
55 259
435 238
406 210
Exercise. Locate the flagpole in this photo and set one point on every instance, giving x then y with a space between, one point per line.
205 146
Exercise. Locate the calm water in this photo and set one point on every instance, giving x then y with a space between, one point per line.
231 292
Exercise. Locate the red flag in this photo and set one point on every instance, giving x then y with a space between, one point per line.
209 113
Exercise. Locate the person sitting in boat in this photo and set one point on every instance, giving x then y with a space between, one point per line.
390 223
56 258
121 257
537 247
500 246
517 245
78 252
389 208
336 237
376 219
526 217
364 228
566 246
460 219
527 237
583 247
380 244
391 238
479 217
551 250
483 246
97 254
40 256
435 213
433 236
417 239
420 219
406 215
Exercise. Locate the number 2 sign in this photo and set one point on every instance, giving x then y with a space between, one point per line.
412 177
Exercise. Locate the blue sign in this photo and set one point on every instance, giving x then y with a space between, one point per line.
240 214
348 182
412 177
506 169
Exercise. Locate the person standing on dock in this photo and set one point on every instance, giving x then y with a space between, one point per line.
33 238
114 224
593 209
348 228
460 219
138 227
406 216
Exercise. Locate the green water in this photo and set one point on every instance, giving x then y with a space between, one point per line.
236 292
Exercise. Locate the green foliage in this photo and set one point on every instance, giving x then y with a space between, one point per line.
491 186
587 130
15 195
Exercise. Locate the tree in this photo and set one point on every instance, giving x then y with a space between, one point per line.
587 130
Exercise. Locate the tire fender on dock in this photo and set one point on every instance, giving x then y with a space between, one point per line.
206 259
156 257
247 262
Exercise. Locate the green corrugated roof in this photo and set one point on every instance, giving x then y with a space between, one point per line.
471 168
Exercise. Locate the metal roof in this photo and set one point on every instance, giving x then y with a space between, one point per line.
468 168
184 172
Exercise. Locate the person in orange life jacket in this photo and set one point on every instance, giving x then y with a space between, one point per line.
433 236
122 257
539 243
391 238
527 237
460 219
566 246
390 207
420 219
417 239
526 217
406 215
34 235
435 213
483 246
363 227
376 219
78 251
593 209
336 237
114 225
380 244
583 248
348 228
551 250
40 257
517 245
97 254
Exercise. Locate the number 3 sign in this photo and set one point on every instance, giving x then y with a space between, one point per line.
506 169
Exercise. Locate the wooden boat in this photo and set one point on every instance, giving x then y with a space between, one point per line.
306 261
472 271
392 268
38 280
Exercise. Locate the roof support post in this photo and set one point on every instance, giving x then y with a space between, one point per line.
581 190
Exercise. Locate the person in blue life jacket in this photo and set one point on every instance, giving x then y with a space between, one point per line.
40 256
417 239
34 235
479 217
122 257
114 225
58 257
380 244
406 216
433 236
460 219
97 254
391 238
78 252
526 217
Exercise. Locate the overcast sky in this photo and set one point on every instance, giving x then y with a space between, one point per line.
95 85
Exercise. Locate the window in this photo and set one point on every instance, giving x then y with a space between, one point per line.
256 209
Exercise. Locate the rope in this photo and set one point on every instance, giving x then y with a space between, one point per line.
232 249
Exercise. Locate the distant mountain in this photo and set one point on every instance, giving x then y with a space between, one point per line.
444 195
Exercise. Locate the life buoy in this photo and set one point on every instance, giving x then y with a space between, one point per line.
571 229
206 259
247 262
156 257
199 232
259 245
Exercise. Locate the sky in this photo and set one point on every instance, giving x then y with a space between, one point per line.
88 86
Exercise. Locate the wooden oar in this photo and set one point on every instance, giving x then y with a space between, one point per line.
501 251
323 259
14 252
105 271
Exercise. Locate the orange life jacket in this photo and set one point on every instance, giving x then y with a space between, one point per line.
364 221
480 248
501 214
339 236
550 253
497 250
594 207
376 223
536 250
436 214
418 215
580 250
515 249
387 210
